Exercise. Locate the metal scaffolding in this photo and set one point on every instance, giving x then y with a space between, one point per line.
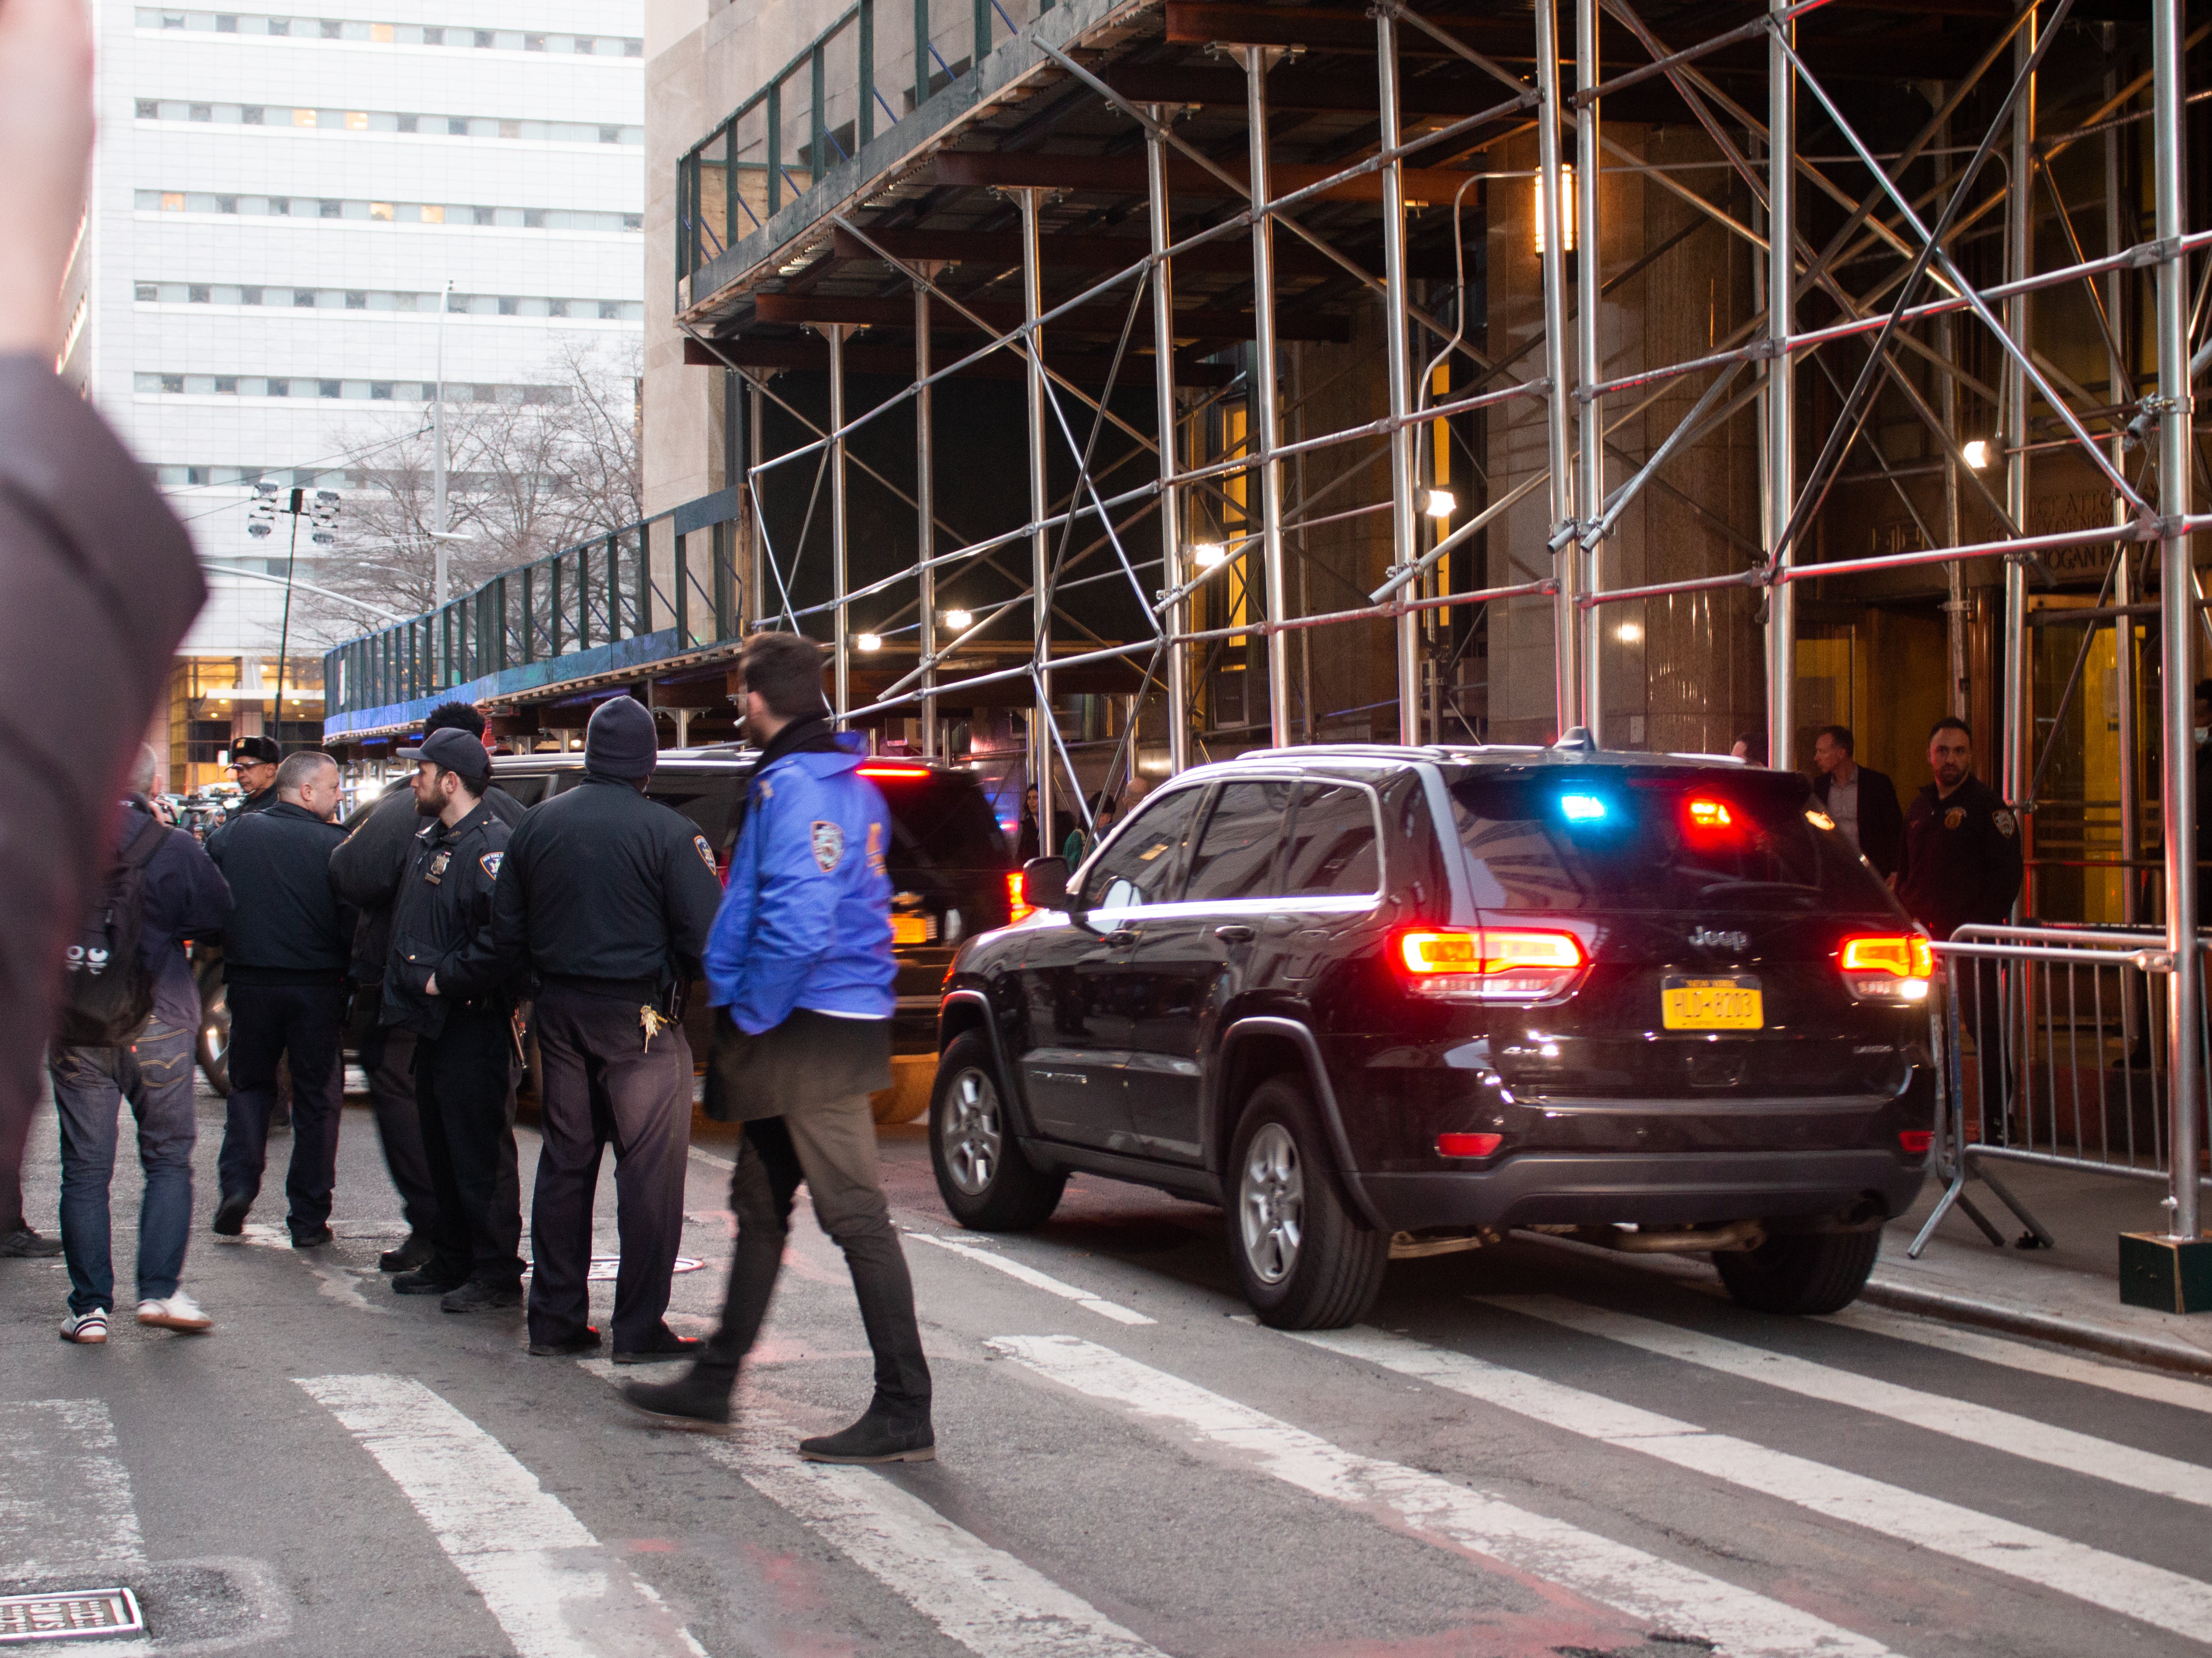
1245 251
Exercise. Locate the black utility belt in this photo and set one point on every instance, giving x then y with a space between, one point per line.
620 990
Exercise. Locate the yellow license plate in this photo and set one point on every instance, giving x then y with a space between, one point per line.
1710 1004
912 929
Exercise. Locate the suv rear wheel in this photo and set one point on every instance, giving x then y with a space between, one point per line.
1304 1261
981 1174
1802 1272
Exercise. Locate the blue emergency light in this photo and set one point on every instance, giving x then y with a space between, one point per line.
1581 808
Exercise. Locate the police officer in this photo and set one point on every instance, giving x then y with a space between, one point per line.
800 968
608 897
253 761
444 982
1962 858
1962 865
369 871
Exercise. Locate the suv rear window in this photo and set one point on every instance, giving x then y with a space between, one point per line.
941 822
1618 838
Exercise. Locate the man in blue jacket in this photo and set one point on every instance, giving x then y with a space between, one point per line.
799 966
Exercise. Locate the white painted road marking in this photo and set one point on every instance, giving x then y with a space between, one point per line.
1036 1280
555 1591
983 1597
1657 1592
64 1493
1958 1418
2117 1378
2151 1593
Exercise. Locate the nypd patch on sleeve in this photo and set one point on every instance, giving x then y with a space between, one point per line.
491 862
706 853
829 843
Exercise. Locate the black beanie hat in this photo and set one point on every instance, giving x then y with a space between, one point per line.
620 740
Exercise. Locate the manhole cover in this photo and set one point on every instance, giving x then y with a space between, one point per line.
604 1268
110 1612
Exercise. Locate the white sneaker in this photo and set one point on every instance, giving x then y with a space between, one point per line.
87 1330
178 1312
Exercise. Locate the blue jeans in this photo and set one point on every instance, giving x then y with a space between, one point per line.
155 1073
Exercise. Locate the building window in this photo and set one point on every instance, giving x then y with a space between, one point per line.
148 293
149 110
333 30
303 118
327 388
202 112
332 209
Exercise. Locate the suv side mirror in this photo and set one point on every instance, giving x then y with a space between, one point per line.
1044 884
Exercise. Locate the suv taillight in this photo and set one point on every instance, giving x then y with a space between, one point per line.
1887 967
1018 908
1488 964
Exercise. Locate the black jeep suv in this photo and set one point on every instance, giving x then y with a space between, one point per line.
1384 1001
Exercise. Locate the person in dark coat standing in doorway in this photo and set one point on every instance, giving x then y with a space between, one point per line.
1861 801
368 870
608 896
285 957
801 970
442 981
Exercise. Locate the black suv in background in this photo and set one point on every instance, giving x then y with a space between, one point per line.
1378 1000
952 875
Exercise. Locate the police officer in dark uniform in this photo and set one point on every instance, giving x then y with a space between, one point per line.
444 982
608 897
1962 864
253 761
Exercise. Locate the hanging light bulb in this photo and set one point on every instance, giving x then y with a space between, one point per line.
959 620
1207 554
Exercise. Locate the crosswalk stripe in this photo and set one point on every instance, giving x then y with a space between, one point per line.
1657 1592
2150 1593
2022 1356
64 1492
1036 1280
555 1591
1958 1418
982 1597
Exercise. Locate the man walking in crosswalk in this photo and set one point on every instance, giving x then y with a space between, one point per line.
801 969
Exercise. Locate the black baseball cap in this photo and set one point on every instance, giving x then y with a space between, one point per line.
255 751
455 750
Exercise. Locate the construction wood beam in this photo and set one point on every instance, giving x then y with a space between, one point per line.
1230 256
1124 175
812 355
1423 97
1897 54
1191 323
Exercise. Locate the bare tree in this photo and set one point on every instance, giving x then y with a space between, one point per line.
524 478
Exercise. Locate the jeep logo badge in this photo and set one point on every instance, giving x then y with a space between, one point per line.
1707 938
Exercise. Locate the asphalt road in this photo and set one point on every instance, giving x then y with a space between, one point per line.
1528 1450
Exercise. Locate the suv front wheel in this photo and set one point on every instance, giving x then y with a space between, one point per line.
981 1174
1304 1259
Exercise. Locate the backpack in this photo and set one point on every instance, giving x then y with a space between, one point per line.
109 993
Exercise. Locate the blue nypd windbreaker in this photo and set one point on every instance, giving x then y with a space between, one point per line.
806 919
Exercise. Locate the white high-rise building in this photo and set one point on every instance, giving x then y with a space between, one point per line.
278 204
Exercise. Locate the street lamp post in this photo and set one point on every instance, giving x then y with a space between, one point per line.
322 512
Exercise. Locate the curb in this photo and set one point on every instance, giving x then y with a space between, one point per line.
2042 1326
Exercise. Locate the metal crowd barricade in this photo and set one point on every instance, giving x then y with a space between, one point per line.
2051 1045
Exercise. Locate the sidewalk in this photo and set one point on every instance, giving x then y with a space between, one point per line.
2069 1295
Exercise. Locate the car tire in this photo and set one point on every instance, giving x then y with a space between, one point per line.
211 1042
987 1183
1803 1274
1304 1258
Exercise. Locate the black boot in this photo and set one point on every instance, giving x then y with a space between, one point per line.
700 1400
416 1252
879 1436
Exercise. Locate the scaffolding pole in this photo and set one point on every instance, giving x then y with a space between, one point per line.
1172 574
2017 757
2177 627
1552 233
925 514
1041 716
842 648
1781 409
1404 522
1589 421
1266 392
